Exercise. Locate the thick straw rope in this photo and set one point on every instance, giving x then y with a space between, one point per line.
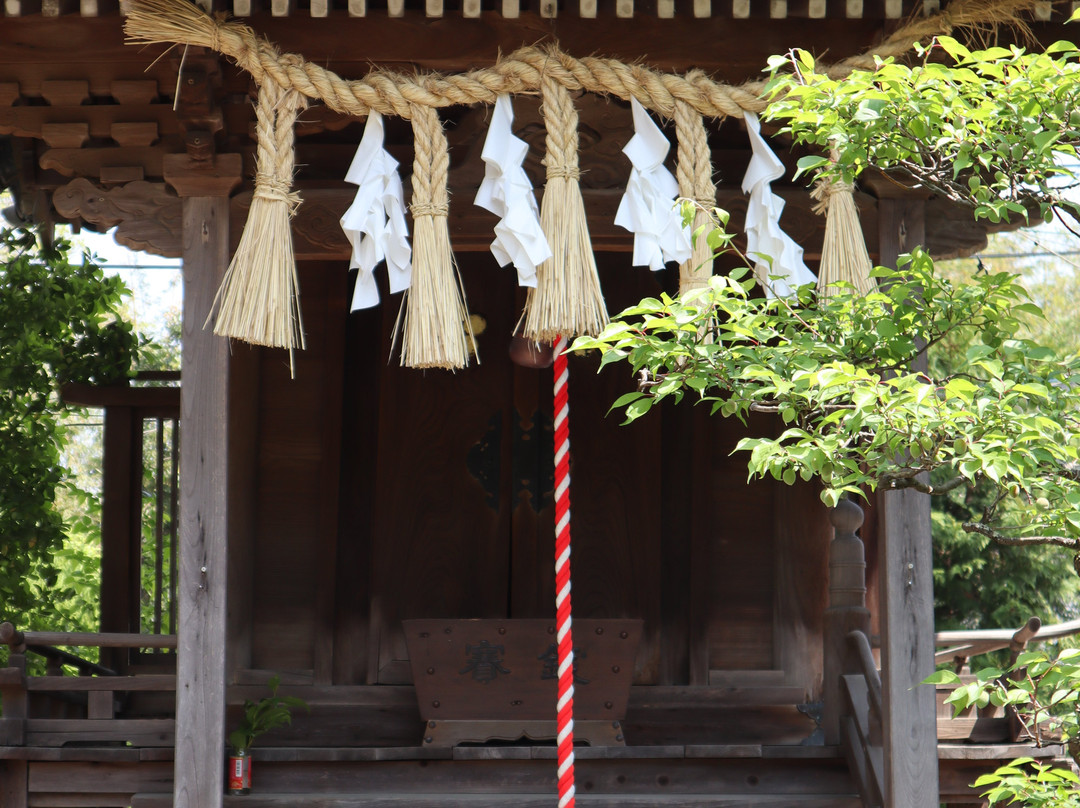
258 298
564 723
567 300
183 22
843 249
694 173
435 327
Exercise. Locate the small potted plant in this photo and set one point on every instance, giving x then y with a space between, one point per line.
259 717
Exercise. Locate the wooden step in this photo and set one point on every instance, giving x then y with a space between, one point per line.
382 800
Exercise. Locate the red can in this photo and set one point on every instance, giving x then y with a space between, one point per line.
240 773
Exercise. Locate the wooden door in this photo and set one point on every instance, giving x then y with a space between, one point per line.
447 487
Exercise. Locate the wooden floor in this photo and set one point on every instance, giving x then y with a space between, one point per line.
722 776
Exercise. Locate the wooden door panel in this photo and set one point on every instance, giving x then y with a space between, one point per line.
440 545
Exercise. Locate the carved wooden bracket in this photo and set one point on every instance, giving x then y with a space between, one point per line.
147 215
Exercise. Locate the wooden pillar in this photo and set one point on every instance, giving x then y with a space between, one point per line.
907 592
846 612
199 768
13 784
120 530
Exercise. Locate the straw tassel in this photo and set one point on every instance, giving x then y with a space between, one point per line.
258 300
694 173
567 300
843 251
434 321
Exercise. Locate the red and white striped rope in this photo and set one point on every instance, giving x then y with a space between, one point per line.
565 708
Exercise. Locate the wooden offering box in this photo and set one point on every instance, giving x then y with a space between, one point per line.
485 680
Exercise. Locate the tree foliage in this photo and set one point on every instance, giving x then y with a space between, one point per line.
1044 691
855 418
987 129
59 322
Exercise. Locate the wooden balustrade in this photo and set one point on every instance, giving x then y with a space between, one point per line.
959 646
861 722
30 717
846 612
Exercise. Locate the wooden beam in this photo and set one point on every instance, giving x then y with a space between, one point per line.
907 592
203 569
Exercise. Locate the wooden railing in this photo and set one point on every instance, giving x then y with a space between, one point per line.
861 717
94 706
959 646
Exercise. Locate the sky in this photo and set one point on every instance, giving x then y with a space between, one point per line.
154 281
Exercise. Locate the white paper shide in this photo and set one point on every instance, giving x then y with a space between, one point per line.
763 234
507 192
648 208
375 222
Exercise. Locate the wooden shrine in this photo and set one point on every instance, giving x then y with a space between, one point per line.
329 501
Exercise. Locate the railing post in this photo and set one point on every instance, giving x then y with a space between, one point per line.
13 696
846 612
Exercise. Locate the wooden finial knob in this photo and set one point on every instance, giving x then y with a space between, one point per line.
846 517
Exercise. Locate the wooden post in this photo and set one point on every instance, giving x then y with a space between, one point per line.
120 530
204 187
846 612
13 783
907 592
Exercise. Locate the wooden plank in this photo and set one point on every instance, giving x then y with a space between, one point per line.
13 786
471 8
331 346
801 573
90 684
395 8
701 548
677 471
624 9
80 800
89 395
137 731
454 800
357 8
244 381
105 639
90 776
203 568
320 8
665 9
511 9
907 595
357 486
